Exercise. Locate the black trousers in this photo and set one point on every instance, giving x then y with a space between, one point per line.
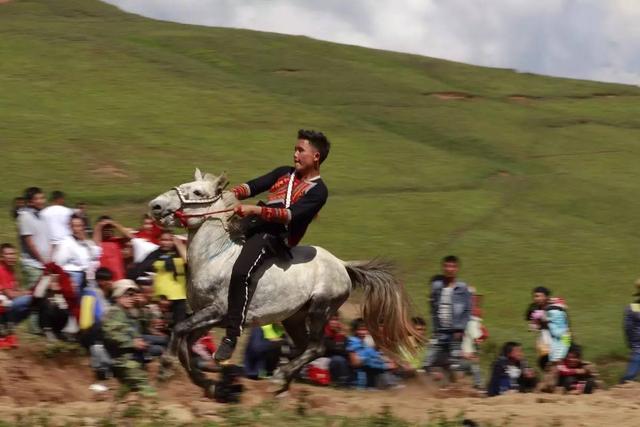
257 249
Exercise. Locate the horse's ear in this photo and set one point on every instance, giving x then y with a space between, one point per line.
197 175
221 182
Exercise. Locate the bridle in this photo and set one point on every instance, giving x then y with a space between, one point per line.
184 217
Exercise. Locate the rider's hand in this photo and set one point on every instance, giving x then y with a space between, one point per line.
247 210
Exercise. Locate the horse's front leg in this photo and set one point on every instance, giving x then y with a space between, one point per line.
184 335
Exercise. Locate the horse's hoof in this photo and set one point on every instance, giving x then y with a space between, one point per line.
282 394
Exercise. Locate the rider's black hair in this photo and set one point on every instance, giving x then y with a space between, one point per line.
318 140
451 258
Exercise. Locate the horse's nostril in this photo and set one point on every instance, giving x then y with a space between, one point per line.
156 208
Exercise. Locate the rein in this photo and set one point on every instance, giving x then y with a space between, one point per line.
184 217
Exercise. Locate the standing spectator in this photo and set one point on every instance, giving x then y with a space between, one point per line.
57 217
558 323
149 230
34 237
77 255
510 372
632 334
81 211
53 298
104 236
262 355
575 375
475 334
19 203
18 302
169 263
450 311
335 344
123 340
536 316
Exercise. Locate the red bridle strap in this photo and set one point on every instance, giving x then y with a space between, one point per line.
184 217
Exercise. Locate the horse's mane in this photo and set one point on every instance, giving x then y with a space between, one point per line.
234 224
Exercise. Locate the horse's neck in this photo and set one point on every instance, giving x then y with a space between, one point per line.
206 243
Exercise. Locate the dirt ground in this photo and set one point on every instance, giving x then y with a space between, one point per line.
32 381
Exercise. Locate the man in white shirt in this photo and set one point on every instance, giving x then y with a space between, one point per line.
34 237
57 216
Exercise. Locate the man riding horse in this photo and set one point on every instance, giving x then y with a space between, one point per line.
296 195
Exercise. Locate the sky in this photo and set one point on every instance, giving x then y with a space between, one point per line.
586 39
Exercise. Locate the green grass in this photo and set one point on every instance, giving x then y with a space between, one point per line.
542 191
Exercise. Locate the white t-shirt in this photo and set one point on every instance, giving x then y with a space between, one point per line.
445 309
57 218
31 223
77 255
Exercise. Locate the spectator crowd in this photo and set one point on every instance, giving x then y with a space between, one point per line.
118 292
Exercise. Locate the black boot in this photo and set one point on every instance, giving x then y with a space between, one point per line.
225 350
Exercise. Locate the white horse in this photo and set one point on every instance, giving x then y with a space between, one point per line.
302 292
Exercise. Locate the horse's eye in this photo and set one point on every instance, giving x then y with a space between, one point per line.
198 193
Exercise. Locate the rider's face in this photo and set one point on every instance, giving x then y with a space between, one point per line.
305 156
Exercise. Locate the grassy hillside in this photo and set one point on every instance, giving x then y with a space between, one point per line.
530 179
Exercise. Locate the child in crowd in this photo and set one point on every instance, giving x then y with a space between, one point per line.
474 334
7 337
537 319
372 368
575 375
510 372
335 344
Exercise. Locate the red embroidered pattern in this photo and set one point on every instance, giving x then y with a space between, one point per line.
275 214
278 191
241 191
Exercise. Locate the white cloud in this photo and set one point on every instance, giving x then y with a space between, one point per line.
590 39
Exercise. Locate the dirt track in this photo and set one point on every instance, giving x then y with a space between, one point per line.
30 381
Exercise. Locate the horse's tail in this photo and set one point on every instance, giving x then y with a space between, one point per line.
386 308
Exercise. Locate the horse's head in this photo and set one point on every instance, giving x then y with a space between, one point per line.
199 196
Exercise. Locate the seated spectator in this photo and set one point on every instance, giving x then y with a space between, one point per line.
632 335
510 372
475 334
94 304
370 366
169 263
412 358
123 340
152 326
335 344
17 303
57 217
262 355
536 316
104 236
204 350
35 249
575 375
77 255
52 301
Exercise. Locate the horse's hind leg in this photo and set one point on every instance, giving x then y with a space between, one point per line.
320 310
